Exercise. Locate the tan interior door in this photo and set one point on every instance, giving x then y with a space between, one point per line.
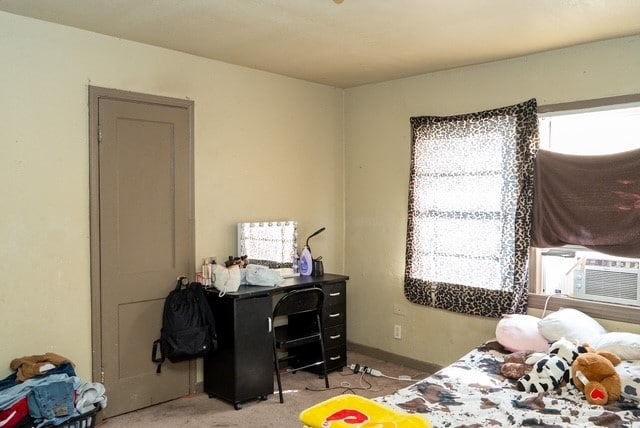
146 242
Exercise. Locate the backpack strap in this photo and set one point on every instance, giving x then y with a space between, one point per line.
205 309
182 281
157 345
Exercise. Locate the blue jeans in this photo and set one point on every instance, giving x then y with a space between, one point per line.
53 402
12 395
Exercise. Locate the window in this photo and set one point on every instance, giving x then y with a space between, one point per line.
467 235
573 270
462 211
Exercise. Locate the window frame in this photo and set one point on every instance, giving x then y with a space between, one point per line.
602 310
519 126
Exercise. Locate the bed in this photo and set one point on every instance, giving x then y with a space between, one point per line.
472 393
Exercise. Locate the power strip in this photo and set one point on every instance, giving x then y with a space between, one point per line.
357 368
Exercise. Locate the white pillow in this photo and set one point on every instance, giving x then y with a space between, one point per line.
518 332
571 324
624 345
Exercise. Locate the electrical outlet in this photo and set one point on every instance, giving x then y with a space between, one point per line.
399 310
397 331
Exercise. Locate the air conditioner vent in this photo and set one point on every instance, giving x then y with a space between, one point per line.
608 281
621 285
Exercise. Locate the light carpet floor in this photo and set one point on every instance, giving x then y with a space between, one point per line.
303 390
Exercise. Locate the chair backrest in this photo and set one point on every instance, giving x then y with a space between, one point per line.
299 301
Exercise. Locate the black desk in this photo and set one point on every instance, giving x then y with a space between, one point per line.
242 367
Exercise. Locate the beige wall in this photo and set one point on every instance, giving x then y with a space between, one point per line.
377 136
267 147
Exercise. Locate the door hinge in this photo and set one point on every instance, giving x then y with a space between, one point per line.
99 134
102 375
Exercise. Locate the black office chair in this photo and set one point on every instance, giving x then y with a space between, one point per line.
301 337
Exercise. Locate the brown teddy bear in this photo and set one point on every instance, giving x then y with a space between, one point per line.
594 374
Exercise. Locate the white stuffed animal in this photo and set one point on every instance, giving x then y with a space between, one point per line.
550 371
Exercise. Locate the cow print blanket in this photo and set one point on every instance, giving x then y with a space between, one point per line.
472 393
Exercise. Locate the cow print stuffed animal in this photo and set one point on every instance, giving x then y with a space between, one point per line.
550 371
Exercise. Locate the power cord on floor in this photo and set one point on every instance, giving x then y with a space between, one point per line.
357 368
362 371
347 386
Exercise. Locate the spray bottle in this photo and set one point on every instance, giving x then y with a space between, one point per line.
306 262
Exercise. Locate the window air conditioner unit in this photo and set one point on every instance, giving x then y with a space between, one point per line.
608 280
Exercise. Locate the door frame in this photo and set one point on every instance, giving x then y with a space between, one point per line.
95 94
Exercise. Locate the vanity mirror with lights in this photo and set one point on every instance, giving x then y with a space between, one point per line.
272 244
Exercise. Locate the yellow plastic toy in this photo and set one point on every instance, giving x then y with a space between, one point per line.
353 411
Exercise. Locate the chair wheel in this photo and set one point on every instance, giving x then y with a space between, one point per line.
237 406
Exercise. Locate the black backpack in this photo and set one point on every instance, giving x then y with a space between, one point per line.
188 328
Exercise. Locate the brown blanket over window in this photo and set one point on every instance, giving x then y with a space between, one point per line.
593 201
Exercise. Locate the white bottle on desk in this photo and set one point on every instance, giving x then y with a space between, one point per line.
295 265
305 261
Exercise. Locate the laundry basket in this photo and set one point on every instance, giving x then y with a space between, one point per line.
85 420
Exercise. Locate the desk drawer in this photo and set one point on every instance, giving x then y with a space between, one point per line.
334 315
335 294
336 358
335 336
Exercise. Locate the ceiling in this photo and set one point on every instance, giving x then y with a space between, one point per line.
346 43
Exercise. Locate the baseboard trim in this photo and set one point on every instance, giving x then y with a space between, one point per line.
393 358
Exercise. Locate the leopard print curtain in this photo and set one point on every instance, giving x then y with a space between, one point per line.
470 204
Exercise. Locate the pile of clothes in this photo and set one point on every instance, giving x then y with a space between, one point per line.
45 391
